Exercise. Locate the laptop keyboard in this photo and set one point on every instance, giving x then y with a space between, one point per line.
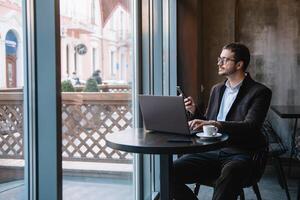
194 132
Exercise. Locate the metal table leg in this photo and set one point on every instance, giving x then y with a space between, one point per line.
166 168
293 145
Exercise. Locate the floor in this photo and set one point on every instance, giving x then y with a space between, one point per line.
268 186
111 189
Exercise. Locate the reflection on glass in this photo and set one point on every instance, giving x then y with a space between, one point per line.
11 101
96 97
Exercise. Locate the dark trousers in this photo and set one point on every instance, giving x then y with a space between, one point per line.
231 172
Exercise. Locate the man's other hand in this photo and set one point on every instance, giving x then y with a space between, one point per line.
189 104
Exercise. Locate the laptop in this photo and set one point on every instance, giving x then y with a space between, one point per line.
165 114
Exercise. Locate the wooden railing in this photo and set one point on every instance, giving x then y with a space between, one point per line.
11 125
86 119
107 88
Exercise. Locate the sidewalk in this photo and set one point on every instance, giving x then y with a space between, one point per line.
75 168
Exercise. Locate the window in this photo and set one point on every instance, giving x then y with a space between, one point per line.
112 22
122 68
94 55
75 60
91 110
65 130
11 55
67 61
12 131
112 65
159 65
93 12
122 24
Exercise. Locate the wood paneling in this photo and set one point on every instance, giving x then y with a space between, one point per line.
188 46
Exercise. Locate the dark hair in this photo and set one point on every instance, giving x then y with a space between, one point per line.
241 53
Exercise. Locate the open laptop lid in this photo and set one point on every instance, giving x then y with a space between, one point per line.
164 114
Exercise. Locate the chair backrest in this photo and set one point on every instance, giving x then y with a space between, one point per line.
274 142
274 145
260 157
298 147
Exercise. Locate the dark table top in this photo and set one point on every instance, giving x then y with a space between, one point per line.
287 111
139 141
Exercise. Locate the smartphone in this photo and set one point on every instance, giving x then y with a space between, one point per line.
179 91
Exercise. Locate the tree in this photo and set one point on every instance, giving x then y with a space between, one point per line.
91 86
66 86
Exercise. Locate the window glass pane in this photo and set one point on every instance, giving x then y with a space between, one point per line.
96 98
11 101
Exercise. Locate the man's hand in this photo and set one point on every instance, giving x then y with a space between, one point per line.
197 124
190 104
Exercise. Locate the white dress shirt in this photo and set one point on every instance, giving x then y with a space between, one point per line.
228 98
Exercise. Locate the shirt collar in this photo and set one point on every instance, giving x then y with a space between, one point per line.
236 87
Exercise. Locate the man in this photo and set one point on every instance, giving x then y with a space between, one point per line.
237 107
96 76
75 79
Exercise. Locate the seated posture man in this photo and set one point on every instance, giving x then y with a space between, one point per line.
237 107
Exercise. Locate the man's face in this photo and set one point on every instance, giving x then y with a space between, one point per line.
227 63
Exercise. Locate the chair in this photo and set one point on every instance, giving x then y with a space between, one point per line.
260 158
298 157
276 149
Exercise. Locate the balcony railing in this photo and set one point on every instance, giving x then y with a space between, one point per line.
107 88
11 125
86 119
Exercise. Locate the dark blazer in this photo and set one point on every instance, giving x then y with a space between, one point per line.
245 117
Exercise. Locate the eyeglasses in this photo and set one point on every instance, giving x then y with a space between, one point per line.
224 60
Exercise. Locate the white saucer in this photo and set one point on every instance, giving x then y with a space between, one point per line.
203 135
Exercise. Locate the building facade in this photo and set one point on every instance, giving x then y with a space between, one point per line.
95 35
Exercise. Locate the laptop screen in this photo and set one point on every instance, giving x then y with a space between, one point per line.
164 114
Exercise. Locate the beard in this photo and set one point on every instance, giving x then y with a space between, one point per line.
226 72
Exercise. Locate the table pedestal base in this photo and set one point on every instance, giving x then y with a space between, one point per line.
166 170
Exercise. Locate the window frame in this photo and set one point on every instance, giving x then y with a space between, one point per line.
155 71
42 100
42 95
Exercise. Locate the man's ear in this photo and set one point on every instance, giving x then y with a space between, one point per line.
240 64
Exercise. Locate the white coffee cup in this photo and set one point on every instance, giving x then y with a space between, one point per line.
210 130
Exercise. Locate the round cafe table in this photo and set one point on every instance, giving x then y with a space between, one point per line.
138 140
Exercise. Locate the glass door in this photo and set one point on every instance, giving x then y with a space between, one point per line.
12 161
97 97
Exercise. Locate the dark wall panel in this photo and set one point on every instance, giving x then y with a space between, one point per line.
217 27
188 46
271 29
